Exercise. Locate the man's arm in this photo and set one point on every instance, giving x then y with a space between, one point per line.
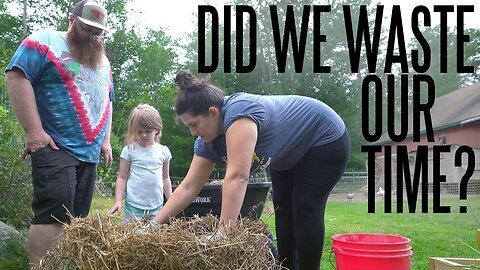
106 146
22 98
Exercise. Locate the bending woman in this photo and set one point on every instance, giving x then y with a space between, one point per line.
302 140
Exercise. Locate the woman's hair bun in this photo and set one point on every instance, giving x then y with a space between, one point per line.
184 78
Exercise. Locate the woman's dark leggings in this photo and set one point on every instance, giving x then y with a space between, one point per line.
299 197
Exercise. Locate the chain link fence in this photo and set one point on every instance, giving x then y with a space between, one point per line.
352 187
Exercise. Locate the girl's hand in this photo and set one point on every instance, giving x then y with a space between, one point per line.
117 207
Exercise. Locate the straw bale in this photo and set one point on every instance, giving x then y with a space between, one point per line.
101 242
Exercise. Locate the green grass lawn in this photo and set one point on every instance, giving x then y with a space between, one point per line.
432 234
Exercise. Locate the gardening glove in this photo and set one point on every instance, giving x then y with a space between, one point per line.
213 237
149 227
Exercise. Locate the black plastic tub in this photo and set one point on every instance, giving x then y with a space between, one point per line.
209 201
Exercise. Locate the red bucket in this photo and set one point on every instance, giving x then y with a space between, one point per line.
371 251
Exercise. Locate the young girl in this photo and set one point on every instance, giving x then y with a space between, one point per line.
144 167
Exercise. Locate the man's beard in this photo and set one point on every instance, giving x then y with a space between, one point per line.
89 51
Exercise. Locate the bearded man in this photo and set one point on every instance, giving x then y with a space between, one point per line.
61 90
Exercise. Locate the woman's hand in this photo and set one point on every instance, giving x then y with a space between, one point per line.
214 237
149 227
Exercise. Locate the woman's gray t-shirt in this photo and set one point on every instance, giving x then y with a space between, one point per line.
288 126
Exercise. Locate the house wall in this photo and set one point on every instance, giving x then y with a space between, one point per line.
455 137
462 135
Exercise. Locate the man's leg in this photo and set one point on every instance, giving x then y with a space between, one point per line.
40 238
86 174
54 181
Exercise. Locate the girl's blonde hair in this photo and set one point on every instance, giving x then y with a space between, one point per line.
145 116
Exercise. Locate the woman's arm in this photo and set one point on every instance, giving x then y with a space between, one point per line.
196 178
120 186
241 138
167 183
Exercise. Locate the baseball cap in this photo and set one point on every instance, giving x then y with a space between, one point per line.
91 13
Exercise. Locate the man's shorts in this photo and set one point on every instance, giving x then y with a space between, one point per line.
132 213
61 183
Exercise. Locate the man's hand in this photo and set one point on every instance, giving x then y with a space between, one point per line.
117 207
107 153
37 140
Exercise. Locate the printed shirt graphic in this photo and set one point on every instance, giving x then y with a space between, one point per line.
288 126
73 100
145 179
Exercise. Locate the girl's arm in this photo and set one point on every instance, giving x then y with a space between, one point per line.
120 186
197 176
167 183
241 138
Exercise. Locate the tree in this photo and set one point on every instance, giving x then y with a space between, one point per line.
54 14
15 192
10 34
446 80
340 88
472 56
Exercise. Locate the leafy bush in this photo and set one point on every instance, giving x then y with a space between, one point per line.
14 253
15 185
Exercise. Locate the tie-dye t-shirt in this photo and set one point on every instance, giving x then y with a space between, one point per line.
73 100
